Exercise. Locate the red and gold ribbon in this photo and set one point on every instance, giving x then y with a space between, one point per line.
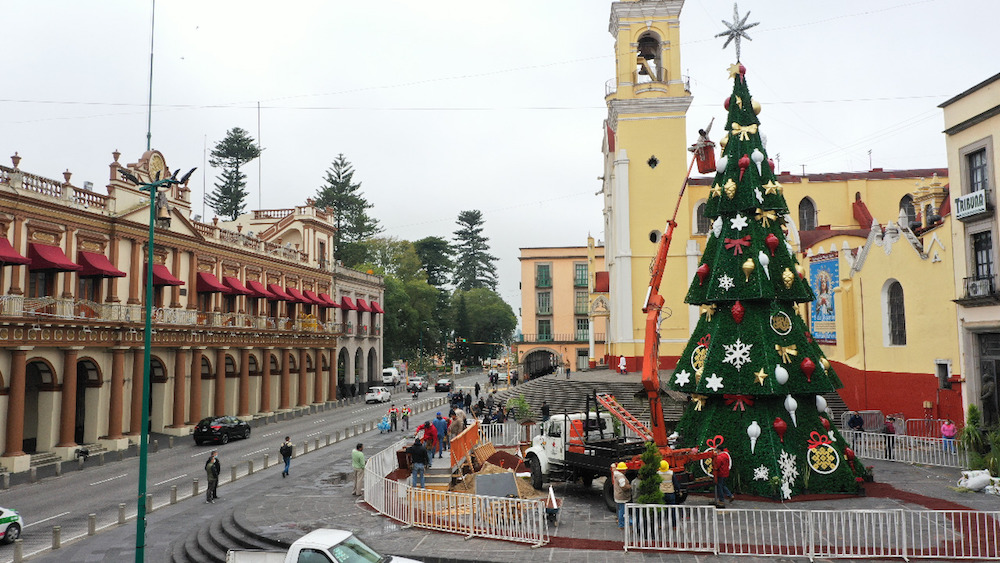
816 439
737 244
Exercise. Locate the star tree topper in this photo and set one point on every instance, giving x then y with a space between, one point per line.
736 30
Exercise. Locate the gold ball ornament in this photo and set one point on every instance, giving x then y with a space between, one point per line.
730 188
788 278
756 107
724 141
825 363
748 268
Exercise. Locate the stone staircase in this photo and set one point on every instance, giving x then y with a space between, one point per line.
48 458
210 543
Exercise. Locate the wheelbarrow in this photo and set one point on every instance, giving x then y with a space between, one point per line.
552 506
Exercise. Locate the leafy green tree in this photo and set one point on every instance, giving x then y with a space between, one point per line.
649 478
487 318
474 265
436 255
463 329
230 154
342 195
393 257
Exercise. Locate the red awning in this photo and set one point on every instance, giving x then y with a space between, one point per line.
45 257
208 283
257 289
235 286
279 294
97 266
329 302
347 305
161 276
296 296
376 308
9 256
363 306
311 296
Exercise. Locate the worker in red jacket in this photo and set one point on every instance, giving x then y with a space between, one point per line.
721 464
429 436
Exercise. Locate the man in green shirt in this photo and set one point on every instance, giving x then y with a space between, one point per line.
358 464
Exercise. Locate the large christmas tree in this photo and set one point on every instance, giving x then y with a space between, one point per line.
754 373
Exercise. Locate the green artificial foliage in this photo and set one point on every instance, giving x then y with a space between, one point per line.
748 289
649 477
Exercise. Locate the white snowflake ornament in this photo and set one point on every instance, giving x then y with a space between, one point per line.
761 473
726 283
738 223
737 354
682 377
786 461
786 490
714 382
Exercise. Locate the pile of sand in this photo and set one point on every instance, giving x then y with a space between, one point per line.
468 485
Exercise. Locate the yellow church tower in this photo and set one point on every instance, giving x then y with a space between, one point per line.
644 166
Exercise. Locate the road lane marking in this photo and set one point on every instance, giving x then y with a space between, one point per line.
45 519
256 452
319 421
314 433
169 480
109 479
268 434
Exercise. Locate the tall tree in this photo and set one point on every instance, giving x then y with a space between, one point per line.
436 254
350 211
231 153
474 266
393 257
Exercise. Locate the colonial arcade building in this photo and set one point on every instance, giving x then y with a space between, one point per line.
249 317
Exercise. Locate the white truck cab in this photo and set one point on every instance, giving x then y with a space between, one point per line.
564 431
321 545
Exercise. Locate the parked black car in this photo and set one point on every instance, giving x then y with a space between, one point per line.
220 429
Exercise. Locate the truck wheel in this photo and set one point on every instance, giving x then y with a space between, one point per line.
587 480
609 495
536 473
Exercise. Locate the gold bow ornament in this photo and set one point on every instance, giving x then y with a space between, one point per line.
765 217
708 311
699 401
743 131
785 352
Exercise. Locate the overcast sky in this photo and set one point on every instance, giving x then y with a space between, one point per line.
448 105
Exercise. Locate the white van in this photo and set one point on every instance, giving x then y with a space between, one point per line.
390 376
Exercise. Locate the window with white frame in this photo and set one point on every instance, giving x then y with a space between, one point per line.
544 303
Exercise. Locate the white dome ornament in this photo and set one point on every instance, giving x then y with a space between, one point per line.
780 375
717 227
753 431
791 405
820 403
720 165
757 157
764 261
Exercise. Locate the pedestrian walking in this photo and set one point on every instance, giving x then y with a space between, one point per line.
490 401
441 427
567 371
286 450
429 437
622 366
721 465
948 433
468 401
405 415
358 465
477 389
393 414
890 436
456 427
621 490
545 411
418 457
212 468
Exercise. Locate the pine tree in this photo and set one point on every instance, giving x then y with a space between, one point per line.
350 211
474 265
754 373
231 153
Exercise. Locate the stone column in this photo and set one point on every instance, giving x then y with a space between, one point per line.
318 383
112 296
220 381
303 378
117 406
138 276
15 402
244 406
175 291
180 380
194 412
67 414
286 379
68 289
265 381
331 393
135 420
17 273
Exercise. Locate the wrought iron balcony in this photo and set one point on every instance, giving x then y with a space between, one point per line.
979 291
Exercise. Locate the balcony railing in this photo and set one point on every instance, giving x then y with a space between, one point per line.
980 289
543 281
544 310
580 282
579 336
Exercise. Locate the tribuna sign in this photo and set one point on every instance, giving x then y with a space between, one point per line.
970 205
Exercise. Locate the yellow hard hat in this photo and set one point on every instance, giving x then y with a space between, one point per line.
621 466
664 466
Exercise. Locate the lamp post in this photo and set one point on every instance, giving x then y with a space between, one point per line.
152 188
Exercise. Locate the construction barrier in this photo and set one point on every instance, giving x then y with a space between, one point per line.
906 449
830 534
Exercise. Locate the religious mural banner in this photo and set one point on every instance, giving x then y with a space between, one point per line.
824 277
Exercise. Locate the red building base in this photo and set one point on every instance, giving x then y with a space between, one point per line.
883 391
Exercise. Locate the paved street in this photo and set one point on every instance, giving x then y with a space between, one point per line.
67 500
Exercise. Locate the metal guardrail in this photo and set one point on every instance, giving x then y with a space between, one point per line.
907 449
833 534
517 520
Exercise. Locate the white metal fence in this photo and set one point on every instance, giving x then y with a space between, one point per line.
832 534
508 433
517 520
907 449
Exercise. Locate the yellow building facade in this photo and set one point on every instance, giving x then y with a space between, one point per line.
972 124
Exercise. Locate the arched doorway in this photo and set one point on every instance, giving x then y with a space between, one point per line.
359 371
207 382
343 362
88 377
158 395
373 368
541 361
38 381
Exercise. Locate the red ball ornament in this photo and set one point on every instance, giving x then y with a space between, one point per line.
770 162
702 272
725 104
772 242
744 164
780 426
826 423
743 70
808 367
738 311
